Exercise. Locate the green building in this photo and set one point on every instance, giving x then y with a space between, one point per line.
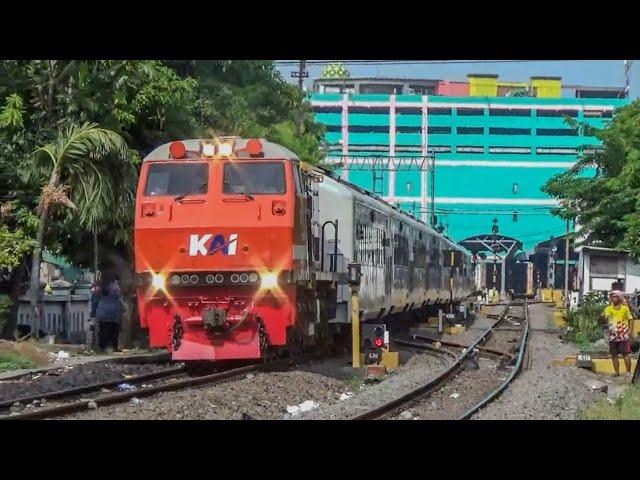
494 145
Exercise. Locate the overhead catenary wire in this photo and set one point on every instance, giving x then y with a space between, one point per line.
410 62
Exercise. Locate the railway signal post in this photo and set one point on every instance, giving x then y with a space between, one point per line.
355 274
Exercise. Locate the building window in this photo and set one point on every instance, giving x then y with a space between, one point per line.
336 109
519 150
562 132
598 113
470 111
470 130
515 216
384 110
515 188
405 129
421 90
509 131
400 110
470 149
439 130
383 88
556 151
439 149
368 129
557 113
509 112
439 111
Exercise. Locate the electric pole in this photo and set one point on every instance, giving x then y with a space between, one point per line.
566 268
301 74
433 191
627 76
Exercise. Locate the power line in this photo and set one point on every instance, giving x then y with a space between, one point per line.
411 62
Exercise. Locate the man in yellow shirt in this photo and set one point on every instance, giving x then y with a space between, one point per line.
619 327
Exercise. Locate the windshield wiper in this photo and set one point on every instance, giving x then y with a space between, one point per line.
247 195
185 195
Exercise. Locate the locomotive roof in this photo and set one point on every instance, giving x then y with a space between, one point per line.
271 150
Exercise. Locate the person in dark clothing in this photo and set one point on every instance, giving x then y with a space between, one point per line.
107 308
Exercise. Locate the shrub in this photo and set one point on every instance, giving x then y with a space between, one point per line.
5 310
584 324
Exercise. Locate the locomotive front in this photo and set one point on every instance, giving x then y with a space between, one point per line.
213 248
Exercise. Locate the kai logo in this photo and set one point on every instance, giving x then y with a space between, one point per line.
198 244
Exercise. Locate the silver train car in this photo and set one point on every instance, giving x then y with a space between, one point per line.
406 265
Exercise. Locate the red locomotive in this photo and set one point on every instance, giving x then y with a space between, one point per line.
242 250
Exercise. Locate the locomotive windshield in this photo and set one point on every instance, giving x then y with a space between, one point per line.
173 179
254 178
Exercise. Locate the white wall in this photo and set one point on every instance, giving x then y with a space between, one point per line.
632 276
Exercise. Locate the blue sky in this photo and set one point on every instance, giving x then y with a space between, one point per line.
600 73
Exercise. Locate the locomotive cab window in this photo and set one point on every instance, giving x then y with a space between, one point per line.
172 179
254 178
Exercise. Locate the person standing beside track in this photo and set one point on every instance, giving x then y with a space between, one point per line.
619 328
107 308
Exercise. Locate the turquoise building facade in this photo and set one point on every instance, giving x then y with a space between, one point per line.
492 154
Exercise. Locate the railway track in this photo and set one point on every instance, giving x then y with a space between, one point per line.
455 373
177 379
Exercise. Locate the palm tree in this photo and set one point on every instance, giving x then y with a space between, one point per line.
90 170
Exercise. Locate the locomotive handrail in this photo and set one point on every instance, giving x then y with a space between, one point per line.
334 262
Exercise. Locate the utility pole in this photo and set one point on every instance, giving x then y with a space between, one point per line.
95 256
433 191
627 76
567 300
301 74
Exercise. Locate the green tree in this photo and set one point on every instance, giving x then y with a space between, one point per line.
251 98
602 190
89 170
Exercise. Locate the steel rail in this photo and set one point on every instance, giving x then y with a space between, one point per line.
169 372
485 350
431 385
60 410
494 394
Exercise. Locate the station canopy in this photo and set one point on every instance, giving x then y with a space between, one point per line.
492 243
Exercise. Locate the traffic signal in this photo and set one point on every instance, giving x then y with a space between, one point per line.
379 337
373 337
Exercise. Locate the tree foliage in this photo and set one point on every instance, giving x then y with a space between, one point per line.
602 190
145 102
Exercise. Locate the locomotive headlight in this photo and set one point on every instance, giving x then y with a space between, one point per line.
157 280
269 280
225 149
208 149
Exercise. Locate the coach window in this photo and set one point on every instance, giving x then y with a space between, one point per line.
172 179
254 178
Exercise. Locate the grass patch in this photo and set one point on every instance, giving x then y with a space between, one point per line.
14 361
17 355
354 383
626 407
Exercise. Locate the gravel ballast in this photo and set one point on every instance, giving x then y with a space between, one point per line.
263 396
73 376
543 391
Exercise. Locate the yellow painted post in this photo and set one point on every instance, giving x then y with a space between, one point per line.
355 325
